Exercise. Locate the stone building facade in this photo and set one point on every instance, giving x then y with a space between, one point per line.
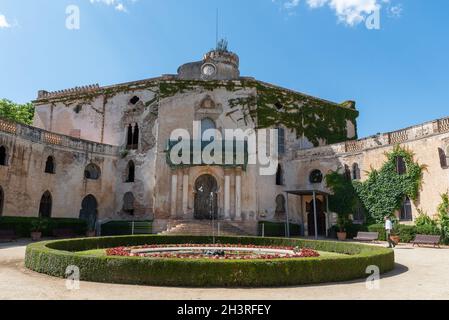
102 153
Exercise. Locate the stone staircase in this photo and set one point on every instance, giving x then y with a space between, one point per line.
204 228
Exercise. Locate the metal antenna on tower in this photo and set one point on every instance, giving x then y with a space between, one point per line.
216 30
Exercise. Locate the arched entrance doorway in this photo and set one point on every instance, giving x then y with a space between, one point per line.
89 211
206 199
321 218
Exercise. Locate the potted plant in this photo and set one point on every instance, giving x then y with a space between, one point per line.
395 237
342 221
37 227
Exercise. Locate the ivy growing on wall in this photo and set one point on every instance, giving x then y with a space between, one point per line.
384 191
267 106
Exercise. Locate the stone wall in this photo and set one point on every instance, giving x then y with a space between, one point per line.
24 181
423 140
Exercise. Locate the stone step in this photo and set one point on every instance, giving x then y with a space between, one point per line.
226 228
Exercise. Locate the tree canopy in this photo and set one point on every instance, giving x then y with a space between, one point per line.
22 113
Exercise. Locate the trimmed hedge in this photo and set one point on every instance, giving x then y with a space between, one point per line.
278 229
54 257
124 228
22 225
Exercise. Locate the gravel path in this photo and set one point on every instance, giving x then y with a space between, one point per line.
421 273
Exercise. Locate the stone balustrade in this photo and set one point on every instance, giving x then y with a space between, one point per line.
41 136
401 136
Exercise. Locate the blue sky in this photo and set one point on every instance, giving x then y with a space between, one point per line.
399 74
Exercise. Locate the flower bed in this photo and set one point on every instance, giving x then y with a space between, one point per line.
232 252
54 257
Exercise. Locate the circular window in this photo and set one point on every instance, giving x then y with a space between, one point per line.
316 176
208 69
92 172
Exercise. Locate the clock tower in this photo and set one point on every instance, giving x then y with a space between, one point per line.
219 64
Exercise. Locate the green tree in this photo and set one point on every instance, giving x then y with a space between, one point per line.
344 198
443 217
22 113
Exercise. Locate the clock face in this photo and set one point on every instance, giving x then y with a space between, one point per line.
209 70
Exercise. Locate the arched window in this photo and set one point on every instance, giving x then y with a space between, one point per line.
2 156
347 173
401 167
45 205
443 158
136 137
316 176
128 203
355 171
406 210
89 211
2 201
279 176
206 124
92 172
130 172
280 204
132 137
50 165
129 137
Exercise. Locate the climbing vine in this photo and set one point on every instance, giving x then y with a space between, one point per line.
384 191
265 105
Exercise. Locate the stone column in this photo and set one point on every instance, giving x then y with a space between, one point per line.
185 192
227 195
174 193
238 195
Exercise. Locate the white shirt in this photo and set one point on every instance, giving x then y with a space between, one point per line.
388 225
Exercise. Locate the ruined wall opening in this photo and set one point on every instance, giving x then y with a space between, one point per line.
134 100
279 176
406 210
128 203
401 167
45 206
131 172
89 211
92 172
50 165
3 156
356 172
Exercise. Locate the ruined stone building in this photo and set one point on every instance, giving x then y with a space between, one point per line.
102 153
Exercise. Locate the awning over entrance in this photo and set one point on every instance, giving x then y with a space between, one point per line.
307 192
314 194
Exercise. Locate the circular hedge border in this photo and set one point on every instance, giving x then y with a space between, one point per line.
53 258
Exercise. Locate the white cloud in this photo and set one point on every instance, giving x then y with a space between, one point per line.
350 12
118 5
3 22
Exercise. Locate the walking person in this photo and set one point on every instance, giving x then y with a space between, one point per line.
389 229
